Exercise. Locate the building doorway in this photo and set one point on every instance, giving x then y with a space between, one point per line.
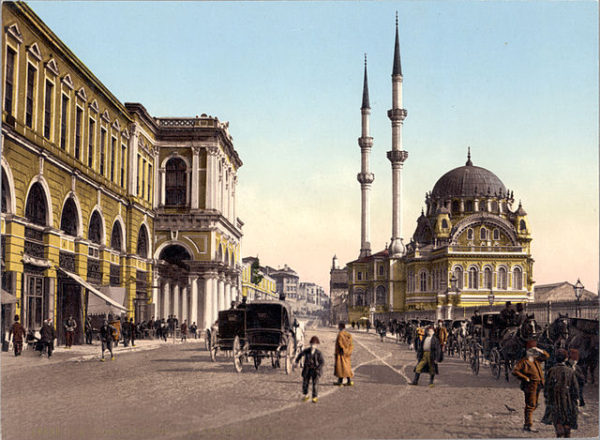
69 304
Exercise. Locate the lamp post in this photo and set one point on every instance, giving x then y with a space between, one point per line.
491 299
578 288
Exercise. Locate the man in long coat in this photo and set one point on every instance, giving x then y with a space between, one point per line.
18 333
429 352
343 351
47 335
562 392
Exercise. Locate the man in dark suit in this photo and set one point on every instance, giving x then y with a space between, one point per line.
313 367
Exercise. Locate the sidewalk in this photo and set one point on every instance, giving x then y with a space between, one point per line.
80 353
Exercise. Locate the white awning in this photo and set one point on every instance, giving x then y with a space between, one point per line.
88 286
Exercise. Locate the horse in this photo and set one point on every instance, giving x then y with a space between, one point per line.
513 341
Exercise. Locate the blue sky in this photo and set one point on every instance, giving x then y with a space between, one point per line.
516 81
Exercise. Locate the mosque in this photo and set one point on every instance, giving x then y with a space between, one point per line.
471 246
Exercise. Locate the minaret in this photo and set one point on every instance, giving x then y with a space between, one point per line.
397 156
365 177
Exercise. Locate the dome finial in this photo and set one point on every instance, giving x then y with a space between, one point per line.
469 163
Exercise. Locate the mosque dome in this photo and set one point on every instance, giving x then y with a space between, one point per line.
468 181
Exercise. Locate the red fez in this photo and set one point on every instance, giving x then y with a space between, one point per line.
532 343
573 354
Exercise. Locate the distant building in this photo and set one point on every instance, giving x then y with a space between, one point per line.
563 291
338 291
287 281
266 289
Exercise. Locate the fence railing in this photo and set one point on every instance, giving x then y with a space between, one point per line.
545 313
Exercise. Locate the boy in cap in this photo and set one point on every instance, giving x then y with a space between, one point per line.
313 366
529 370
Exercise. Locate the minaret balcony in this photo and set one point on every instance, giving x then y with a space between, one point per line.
397 156
365 177
397 114
365 142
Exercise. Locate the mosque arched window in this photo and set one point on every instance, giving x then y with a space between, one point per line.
494 206
496 234
115 237
69 218
423 281
473 278
517 278
380 295
358 299
483 234
95 229
502 278
455 207
175 182
469 206
142 243
487 278
522 226
458 274
444 224
36 208
469 234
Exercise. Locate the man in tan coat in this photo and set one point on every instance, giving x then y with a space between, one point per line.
343 351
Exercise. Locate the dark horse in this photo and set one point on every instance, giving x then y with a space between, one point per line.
513 342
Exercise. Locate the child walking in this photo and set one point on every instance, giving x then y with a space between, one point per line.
313 366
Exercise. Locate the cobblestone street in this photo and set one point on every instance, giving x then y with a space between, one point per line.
176 392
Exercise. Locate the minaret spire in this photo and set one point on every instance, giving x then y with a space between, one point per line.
397 155
469 163
365 177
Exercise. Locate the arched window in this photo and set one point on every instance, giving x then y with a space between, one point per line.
469 234
175 182
444 224
522 226
494 206
176 255
380 295
95 229
502 278
69 220
5 192
496 234
455 207
115 237
423 281
483 234
473 278
487 278
469 206
36 208
458 274
358 298
517 278
142 242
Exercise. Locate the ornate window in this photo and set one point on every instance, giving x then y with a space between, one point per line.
487 278
48 109
102 149
36 208
517 278
380 295
496 234
78 126
455 207
115 237
64 110
176 183
9 80
29 98
5 195
444 224
473 278
458 274
95 229
483 233
494 206
381 269
359 276
423 281
522 226
469 234
469 206
69 220
142 243
358 298
502 278
91 129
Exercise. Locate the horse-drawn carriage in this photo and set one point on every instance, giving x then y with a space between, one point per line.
457 337
260 330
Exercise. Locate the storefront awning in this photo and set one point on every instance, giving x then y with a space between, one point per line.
8 298
88 286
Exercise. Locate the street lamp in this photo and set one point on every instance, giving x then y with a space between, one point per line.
578 288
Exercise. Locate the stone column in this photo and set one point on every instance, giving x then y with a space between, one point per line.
208 305
155 293
165 294
184 304
188 182
227 294
194 300
176 302
233 200
195 177
214 299
221 297
211 177
163 186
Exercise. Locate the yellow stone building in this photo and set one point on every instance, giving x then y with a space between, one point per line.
102 202
266 289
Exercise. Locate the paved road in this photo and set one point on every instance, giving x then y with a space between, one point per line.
175 392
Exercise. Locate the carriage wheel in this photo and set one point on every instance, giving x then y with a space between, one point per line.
288 357
474 359
238 354
495 366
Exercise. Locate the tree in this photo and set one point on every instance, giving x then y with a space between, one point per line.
256 275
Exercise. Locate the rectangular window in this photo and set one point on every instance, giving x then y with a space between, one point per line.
9 81
149 182
137 180
123 155
91 129
34 305
113 143
63 121
78 121
48 109
31 72
102 149
143 177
